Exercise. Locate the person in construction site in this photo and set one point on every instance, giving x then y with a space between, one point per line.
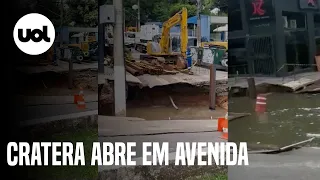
189 60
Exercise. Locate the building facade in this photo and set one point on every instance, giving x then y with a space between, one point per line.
273 37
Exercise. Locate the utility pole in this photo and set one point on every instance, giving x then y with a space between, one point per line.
101 44
119 62
124 19
138 29
198 23
61 23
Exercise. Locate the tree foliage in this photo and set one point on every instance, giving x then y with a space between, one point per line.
81 13
84 13
161 10
222 5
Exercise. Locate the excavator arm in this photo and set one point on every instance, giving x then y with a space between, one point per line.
164 43
179 18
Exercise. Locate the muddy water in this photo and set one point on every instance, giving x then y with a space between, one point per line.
155 104
170 113
288 119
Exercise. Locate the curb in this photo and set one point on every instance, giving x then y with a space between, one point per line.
60 118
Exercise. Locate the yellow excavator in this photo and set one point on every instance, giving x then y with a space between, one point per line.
84 46
162 48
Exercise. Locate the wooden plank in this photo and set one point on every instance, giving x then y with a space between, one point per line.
234 116
296 144
283 149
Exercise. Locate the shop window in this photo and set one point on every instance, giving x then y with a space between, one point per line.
317 20
318 46
238 63
234 16
294 20
297 49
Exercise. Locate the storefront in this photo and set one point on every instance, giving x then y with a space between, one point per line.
273 37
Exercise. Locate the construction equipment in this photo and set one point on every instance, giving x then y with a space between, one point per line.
162 48
82 45
215 44
131 29
148 33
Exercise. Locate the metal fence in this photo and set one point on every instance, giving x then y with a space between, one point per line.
261 55
257 57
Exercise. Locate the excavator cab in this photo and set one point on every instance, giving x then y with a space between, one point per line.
163 47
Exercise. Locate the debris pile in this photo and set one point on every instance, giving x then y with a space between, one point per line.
86 80
222 101
222 94
141 67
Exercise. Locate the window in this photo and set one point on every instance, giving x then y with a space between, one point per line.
293 20
296 36
318 46
234 15
297 49
317 20
237 57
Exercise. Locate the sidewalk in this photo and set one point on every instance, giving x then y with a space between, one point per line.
110 127
52 100
40 109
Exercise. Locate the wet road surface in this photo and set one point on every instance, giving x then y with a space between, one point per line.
171 138
301 164
288 119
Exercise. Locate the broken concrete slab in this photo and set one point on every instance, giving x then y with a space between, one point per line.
109 127
294 82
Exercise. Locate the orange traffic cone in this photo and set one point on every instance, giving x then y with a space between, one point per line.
261 104
220 122
224 130
76 96
80 100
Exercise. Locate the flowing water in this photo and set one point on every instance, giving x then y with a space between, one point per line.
289 118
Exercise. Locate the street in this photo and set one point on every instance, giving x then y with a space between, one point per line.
171 138
301 164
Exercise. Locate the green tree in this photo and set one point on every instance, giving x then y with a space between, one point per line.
222 5
81 13
49 8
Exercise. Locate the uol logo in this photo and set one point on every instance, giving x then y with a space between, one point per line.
257 7
34 34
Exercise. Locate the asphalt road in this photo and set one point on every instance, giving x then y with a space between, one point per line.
171 138
42 111
301 164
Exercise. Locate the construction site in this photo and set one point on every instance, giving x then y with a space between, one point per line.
168 76
161 86
159 79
